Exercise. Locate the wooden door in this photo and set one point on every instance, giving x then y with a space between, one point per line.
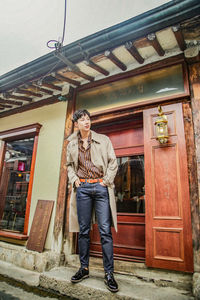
129 241
168 214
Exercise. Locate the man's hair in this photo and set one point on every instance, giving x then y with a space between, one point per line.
79 113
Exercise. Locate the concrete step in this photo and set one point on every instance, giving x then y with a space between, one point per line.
130 287
178 280
9 270
133 287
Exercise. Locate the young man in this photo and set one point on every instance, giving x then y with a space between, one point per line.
92 166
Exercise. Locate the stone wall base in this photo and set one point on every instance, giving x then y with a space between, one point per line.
47 260
196 285
29 260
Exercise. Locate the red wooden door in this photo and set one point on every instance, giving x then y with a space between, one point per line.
168 214
129 241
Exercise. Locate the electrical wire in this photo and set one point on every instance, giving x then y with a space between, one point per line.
58 44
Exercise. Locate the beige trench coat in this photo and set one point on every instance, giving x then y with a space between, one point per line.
103 157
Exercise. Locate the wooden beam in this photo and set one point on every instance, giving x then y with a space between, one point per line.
30 106
134 52
21 98
52 86
38 88
153 41
65 79
179 37
12 102
96 67
29 93
81 74
115 60
5 106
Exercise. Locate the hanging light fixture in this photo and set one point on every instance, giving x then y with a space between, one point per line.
161 127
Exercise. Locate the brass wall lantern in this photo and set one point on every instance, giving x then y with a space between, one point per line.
161 127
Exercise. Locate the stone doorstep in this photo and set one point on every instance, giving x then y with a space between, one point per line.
28 277
130 287
58 280
178 280
40 262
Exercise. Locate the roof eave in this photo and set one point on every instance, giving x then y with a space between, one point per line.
156 19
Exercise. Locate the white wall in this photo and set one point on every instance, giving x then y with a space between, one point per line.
47 167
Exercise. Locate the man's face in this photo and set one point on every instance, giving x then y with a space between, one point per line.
83 123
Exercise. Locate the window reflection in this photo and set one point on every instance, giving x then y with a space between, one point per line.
129 184
151 85
14 185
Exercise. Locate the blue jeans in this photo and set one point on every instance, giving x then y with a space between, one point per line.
91 195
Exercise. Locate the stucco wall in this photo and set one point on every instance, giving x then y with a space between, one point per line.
46 176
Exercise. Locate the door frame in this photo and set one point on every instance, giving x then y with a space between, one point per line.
100 119
136 253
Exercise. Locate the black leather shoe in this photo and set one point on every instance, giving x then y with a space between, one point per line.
110 282
80 275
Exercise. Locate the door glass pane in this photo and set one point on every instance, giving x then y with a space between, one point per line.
129 184
14 184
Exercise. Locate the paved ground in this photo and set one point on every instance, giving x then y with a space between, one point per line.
93 288
18 283
11 292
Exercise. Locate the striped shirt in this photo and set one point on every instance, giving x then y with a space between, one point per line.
86 169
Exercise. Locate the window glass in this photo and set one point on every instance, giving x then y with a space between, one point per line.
129 184
14 185
149 86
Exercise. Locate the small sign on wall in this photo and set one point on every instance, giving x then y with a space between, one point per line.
21 166
40 225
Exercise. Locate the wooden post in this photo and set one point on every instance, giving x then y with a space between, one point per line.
194 77
193 180
2 155
63 181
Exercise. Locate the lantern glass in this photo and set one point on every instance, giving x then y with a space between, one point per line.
161 127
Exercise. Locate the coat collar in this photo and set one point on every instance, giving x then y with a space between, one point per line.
94 136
